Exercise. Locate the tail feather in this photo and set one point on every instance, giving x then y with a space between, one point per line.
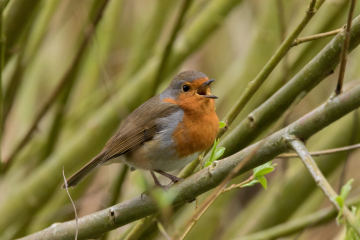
86 170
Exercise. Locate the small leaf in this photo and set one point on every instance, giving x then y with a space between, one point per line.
346 189
251 183
340 201
263 181
222 124
219 152
211 158
258 170
263 171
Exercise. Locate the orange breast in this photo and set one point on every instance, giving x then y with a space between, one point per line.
199 127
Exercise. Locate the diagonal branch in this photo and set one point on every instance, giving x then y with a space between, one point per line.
298 146
95 224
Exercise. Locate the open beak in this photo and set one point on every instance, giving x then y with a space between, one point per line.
203 90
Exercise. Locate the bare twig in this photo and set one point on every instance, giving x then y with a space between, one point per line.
169 45
58 89
345 47
315 37
298 146
72 202
324 152
240 185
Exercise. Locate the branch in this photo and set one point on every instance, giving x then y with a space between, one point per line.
315 37
95 224
324 152
298 146
345 48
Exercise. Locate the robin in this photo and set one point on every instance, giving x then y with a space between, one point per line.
165 133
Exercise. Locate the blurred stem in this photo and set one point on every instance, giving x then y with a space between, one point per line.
98 223
139 228
66 80
117 190
167 51
282 24
293 226
255 84
2 55
345 48
352 141
17 17
152 29
315 37
324 152
298 146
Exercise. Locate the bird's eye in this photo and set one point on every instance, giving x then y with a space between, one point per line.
186 88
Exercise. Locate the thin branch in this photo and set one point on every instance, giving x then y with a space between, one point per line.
255 84
165 56
298 146
73 204
290 227
162 230
324 152
315 37
345 48
58 89
240 185
95 224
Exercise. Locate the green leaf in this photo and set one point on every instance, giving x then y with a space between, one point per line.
251 183
263 171
346 189
340 201
263 181
218 153
222 124
211 159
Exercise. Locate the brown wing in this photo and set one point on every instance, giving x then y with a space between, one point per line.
139 127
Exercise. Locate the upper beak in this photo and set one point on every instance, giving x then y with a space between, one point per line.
204 85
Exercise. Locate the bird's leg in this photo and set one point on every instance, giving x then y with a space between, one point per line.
174 179
157 183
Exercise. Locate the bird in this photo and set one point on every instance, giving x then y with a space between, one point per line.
165 133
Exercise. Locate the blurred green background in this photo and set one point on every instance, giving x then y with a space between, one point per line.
115 72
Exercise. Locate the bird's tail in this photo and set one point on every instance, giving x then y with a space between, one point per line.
85 170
